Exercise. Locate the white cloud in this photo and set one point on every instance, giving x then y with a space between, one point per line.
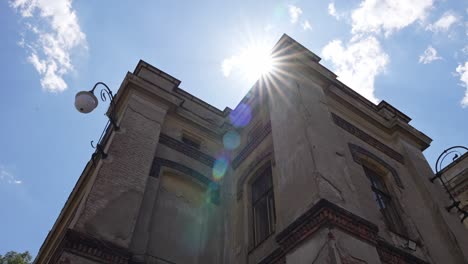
358 64
8 177
55 36
332 11
306 25
388 16
462 70
444 22
429 55
294 13
465 50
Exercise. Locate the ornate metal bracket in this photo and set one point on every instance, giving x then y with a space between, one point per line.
104 93
457 152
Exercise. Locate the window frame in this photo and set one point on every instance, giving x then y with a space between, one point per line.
268 197
385 201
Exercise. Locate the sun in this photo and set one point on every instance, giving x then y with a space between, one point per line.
252 62
257 62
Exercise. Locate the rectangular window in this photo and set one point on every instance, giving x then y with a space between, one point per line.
263 206
384 201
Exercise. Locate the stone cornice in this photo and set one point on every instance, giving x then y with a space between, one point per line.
384 116
389 254
325 214
92 248
353 130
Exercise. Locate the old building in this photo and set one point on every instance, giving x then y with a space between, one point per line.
303 170
455 177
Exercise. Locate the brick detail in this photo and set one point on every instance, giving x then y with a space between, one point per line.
92 248
186 149
391 255
325 214
211 185
251 145
350 128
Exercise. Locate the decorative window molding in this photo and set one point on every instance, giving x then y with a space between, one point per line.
212 186
350 128
361 156
266 157
186 149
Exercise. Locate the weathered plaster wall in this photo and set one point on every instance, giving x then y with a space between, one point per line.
113 204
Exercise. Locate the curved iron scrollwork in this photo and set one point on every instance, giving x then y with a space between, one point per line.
456 151
105 93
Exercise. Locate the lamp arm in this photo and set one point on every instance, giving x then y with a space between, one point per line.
107 91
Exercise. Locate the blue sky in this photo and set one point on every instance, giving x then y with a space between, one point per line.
412 54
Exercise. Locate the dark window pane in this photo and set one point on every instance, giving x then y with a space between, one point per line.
261 185
263 206
383 199
261 220
271 212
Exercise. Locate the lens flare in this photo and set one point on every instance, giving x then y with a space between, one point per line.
220 168
231 140
241 116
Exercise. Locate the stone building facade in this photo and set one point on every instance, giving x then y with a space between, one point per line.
303 170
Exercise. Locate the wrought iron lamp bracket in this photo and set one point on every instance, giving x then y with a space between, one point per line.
456 151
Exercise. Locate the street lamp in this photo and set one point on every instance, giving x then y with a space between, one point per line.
456 151
86 102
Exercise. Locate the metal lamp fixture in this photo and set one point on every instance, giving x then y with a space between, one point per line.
86 102
456 151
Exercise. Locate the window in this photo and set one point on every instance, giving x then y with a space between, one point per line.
384 201
191 142
263 206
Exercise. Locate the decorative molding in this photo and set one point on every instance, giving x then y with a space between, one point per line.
211 185
251 145
260 159
89 247
350 128
325 214
357 152
276 257
391 255
186 149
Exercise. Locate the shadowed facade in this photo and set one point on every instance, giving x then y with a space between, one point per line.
303 170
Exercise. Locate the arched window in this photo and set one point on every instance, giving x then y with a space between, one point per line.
385 202
263 206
